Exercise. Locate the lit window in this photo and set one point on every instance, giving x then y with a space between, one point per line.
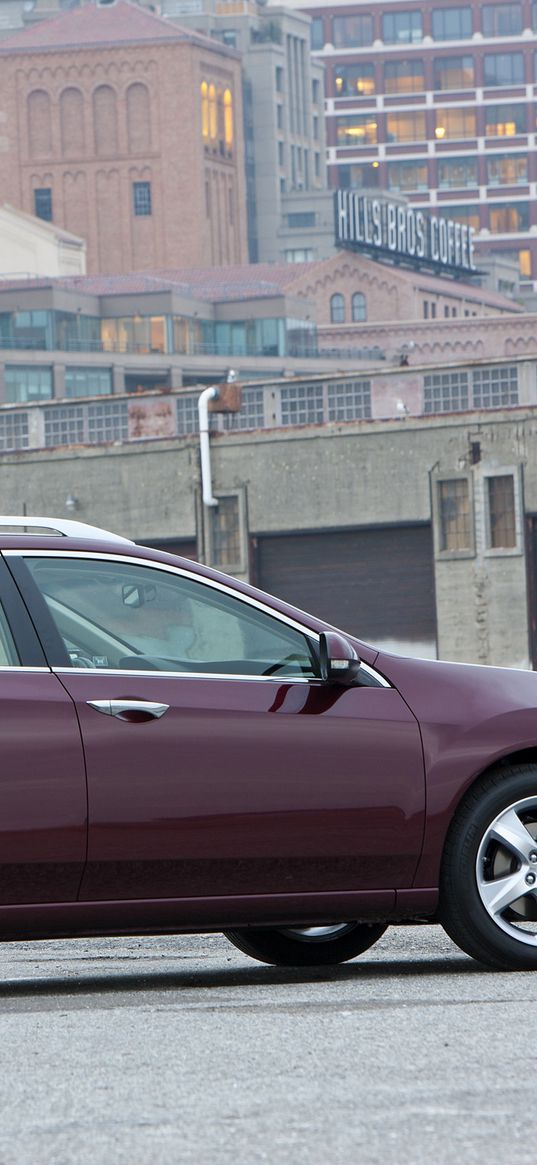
505 218
359 130
205 111
213 115
356 79
403 77
507 169
453 73
407 176
455 123
141 199
505 120
457 173
406 127
228 120
524 263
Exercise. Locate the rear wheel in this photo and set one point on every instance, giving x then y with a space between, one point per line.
488 893
307 946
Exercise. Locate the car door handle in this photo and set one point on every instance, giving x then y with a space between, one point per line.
133 711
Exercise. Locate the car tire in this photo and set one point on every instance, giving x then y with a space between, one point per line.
488 884
310 946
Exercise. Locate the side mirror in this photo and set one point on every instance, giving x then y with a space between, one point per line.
339 662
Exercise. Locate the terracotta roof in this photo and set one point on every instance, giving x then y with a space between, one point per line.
258 281
95 25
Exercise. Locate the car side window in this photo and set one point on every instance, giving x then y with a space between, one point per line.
9 656
126 616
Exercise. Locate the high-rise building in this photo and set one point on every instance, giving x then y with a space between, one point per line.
126 130
290 215
438 102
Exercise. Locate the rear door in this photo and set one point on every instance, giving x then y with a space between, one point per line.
43 797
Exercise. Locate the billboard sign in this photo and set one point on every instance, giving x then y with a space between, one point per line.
403 234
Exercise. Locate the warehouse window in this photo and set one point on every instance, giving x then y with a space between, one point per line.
501 512
454 515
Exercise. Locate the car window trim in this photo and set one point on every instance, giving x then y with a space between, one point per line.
25 637
33 597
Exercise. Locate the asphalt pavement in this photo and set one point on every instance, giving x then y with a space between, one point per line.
158 1051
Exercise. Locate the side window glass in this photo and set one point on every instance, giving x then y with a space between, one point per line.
125 616
9 656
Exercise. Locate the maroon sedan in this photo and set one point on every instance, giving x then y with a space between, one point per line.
182 752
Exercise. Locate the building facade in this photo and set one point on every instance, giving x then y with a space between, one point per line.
416 532
30 247
126 131
438 103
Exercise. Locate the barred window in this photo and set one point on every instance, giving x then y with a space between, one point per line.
302 404
445 392
494 387
501 511
349 400
14 431
252 411
64 425
108 422
454 514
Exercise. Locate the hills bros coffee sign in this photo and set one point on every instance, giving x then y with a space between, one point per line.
403 234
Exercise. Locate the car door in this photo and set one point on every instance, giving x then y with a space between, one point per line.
42 776
217 762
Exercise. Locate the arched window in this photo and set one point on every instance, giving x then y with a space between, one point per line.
220 119
359 312
204 91
213 115
228 121
39 124
138 118
337 309
72 122
105 121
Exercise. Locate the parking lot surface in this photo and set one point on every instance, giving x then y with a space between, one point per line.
164 1050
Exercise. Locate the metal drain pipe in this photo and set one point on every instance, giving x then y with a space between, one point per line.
211 393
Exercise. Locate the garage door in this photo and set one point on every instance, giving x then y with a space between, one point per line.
377 584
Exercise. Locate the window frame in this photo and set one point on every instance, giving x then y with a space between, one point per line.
441 552
490 474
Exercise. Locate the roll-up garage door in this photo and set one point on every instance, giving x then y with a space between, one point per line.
377 584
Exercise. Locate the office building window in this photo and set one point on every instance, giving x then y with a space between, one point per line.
337 309
502 19
524 264
358 306
505 121
507 169
455 123
453 73
356 79
469 215
408 176
506 218
452 23
317 32
299 255
406 127
301 219
88 381
352 31
402 27
358 130
141 199
403 77
43 203
503 69
501 512
454 514
457 173
28 382
352 177
279 78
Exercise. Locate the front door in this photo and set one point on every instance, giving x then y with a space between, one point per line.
217 762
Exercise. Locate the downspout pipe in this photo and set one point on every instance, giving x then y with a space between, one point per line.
208 394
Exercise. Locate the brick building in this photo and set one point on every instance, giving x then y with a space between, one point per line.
125 130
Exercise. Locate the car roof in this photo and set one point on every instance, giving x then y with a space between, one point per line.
29 525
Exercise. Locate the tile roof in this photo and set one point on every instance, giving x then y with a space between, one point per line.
257 281
97 25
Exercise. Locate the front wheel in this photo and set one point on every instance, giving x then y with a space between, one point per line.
488 890
307 946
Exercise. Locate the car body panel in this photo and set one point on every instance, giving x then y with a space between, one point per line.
248 786
43 804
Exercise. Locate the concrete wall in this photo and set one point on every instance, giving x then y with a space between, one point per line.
319 478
